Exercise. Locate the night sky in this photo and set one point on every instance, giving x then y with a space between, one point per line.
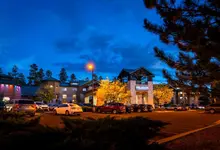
69 33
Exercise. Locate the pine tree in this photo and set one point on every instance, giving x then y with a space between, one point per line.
1 71
14 72
100 78
40 75
72 77
63 75
21 79
33 75
48 74
193 26
95 77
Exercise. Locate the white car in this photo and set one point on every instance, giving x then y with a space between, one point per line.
42 106
68 109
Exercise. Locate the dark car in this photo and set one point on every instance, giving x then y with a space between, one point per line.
213 108
87 107
129 108
2 106
112 108
142 108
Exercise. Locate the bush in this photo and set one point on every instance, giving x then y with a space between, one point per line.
106 133
11 121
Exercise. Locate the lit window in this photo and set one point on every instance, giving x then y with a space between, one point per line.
64 96
51 86
84 89
64 89
74 89
74 97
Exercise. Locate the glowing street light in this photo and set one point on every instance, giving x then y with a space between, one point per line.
90 66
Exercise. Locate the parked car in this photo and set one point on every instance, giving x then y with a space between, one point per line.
41 106
68 109
213 108
142 108
112 108
22 105
87 107
175 107
129 108
52 106
2 106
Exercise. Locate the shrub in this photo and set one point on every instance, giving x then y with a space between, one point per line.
85 134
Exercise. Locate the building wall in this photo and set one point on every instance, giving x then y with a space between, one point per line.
11 91
132 86
150 99
68 93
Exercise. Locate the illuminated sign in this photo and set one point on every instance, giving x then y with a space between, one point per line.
141 87
74 83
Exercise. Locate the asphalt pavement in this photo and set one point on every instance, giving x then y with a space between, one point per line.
179 122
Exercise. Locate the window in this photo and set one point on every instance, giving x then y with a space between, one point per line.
74 89
64 89
84 89
26 102
64 96
63 105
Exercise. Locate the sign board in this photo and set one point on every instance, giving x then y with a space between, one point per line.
141 88
74 83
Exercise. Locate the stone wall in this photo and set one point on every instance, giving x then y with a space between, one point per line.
150 93
132 85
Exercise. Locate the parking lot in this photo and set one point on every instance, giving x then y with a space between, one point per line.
179 122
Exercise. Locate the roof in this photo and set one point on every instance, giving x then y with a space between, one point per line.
50 79
129 72
5 76
6 79
29 90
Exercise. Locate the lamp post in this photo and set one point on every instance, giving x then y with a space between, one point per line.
90 67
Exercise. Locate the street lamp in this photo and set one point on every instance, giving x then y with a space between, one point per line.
90 67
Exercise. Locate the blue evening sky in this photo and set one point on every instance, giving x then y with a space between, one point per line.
69 33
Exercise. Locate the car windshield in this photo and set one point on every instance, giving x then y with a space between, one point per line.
25 102
39 103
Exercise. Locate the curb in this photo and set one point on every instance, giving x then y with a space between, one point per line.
168 139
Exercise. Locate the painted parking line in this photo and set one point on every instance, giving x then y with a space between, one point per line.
171 138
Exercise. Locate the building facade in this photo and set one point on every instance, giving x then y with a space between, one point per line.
8 88
140 83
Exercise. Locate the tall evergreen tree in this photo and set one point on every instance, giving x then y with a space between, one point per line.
95 77
72 77
21 79
193 26
14 72
1 71
33 75
40 75
63 75
49 74
100 78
